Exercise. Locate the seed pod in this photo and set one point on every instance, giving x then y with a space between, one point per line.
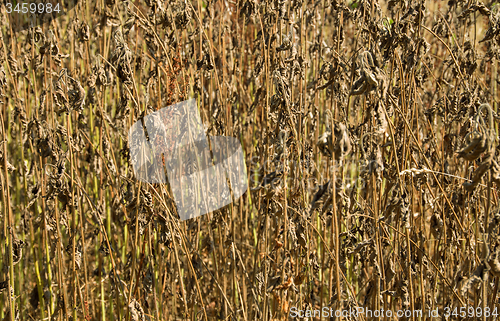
17 250
367 80
10 167
78 259
84 32
495 173
342 141
4 285
479 274
477 145
13 64
325 143
436 226
494 263
478 174
76 95
136 311
286 43
104 248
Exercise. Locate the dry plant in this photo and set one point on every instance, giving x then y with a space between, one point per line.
370 135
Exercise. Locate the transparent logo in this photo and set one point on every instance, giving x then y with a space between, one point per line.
170 145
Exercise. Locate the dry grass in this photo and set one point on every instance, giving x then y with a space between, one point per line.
370 144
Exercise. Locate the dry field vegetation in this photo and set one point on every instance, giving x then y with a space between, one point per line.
371 150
